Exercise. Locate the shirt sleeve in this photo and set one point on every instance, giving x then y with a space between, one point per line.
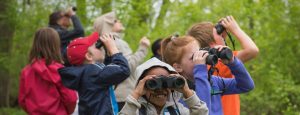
74 33
196 106
116 71
240 84
202 87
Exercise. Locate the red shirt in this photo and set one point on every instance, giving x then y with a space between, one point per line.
42 92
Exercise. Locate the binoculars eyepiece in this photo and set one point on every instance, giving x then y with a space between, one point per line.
74 8
99 44
220 28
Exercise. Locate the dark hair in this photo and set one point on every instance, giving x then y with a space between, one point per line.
46 44
155 47
203 33
54 17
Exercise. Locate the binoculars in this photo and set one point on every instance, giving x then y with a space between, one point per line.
220 29
100 44
161 82
74 8
214 54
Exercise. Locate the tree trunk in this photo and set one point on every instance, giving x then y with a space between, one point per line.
6 35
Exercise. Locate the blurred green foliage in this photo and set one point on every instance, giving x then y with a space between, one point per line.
273 25
11 111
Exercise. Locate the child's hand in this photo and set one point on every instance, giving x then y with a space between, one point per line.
145 41
230 24
70 12
185 90
140 89
109 44
220 47
199 57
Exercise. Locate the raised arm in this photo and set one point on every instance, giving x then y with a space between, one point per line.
116 71
202 87
134 59
202 84
249 49
76 32
240 84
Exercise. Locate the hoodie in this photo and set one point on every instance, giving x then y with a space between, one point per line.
92 81
104 24
42 92
133 106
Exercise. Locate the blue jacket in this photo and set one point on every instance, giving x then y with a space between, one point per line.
92 81
240 84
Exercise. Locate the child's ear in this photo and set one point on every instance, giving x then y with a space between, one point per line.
88 56
177 67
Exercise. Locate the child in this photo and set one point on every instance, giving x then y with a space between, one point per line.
184 55
144 101
108 23
206 34
41 90
61 21
155 48
91 78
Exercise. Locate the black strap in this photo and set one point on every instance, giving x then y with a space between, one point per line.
121 105
231 40
210 73
171 110
211 70
142 110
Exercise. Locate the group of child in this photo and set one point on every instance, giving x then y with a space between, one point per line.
47 87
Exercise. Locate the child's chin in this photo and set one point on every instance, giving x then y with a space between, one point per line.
160 99
160 102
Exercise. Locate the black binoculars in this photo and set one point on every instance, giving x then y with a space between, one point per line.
74 8
99 44
214 54
220 28
162 81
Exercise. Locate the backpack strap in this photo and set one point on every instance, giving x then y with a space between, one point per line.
142 110
171 110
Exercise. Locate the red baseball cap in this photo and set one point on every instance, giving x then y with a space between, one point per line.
78 47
